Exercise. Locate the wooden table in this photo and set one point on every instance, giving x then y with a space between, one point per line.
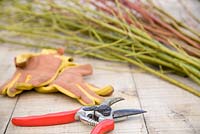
171 110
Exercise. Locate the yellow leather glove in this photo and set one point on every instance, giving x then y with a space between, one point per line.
71 83
34 70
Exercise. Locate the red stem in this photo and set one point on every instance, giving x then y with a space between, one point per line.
156 32
151 17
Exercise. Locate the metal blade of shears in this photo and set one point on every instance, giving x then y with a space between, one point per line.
124 113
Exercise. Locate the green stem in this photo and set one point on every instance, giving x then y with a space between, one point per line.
173 81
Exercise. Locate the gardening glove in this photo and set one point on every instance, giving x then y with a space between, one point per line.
34 70
71 83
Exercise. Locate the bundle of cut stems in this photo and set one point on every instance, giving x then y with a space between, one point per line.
158 23
86 31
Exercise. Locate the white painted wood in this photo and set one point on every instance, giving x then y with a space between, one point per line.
171 110
7 104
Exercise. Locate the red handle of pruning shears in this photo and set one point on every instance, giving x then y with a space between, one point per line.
103 127
46 120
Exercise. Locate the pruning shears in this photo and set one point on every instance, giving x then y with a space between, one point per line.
101 116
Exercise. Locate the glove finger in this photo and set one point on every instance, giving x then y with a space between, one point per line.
75 92
47 89
4 87
105 91
68 90
90 94
22 84
12 92
10 83
86 103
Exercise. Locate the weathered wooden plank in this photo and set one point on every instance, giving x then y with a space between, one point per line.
32 103
170 109
6 70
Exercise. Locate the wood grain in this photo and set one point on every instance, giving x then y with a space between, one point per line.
171 110
7 104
